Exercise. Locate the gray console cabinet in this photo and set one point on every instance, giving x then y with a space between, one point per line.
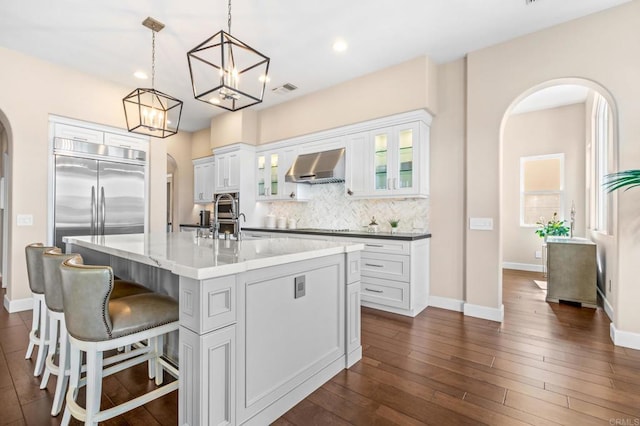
571 266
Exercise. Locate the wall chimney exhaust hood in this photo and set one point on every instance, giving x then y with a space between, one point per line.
318 167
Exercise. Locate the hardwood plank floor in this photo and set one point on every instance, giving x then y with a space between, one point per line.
547 364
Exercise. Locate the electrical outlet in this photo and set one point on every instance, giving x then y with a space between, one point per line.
299 286
538 254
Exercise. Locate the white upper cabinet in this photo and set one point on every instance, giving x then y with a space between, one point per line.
76 133
388 162
358 178
227 172
125 141
203 180
271 168
100 135
396 160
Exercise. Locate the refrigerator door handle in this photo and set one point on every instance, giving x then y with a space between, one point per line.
104 209
94 210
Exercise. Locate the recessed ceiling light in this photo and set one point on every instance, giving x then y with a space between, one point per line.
340 45
141 75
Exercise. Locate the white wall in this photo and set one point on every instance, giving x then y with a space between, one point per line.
30 90
595 48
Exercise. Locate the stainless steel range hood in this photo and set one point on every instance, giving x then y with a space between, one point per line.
318 167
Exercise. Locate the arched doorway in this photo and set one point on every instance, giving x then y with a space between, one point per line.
5 215
555 152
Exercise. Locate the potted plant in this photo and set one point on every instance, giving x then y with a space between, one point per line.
626 179
554 227
394 225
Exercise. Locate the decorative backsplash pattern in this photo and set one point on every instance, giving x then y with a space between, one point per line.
329 208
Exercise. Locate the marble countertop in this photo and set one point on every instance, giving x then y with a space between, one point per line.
404 236
201 258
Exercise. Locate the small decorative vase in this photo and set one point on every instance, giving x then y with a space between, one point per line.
394 229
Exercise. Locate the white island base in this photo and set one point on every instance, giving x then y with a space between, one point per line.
262 323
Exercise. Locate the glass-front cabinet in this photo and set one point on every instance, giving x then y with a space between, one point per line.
269 175
395 150
271 168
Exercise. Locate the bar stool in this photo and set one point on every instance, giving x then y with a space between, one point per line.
58 340
39 322
98 323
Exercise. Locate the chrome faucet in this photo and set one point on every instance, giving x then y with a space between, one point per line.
239 228
216 219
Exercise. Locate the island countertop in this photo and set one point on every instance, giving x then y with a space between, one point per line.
202 258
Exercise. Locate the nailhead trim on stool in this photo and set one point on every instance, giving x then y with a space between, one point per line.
101 323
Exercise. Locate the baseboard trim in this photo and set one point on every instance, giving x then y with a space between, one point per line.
625 339
446 303
608 309
17 305
484 312
522 266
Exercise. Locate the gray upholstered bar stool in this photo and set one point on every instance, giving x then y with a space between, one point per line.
39 322
58 341
97 323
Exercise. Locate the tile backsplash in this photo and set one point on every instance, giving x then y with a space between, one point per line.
330 208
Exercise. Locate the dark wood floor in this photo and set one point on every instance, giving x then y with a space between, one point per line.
546 364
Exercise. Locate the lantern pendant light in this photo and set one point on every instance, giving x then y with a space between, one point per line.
149 111
226 72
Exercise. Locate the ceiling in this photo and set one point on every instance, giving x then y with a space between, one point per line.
552 97
105 38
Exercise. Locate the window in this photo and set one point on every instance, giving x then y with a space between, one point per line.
541 188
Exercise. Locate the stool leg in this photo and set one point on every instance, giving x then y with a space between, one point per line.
53 343
151 364
42 339
35 321
63 371
158 348
74 382
94 385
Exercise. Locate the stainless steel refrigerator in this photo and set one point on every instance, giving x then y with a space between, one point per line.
99 189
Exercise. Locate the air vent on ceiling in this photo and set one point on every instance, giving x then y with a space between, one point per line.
284 89
529 1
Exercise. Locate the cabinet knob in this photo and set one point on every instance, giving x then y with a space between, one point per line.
292 195
349 191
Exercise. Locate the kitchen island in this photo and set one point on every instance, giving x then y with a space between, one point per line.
263 323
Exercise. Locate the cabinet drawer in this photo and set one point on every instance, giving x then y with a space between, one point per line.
385 292
77 133
390 266
126 142
385 246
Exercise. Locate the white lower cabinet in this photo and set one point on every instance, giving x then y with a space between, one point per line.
394 273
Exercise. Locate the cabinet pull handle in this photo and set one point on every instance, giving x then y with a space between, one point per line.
374 245
374 265
373 290
77 138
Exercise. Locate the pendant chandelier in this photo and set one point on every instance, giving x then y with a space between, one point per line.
148 111
226 72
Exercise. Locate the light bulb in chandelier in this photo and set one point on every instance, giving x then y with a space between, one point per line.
153 119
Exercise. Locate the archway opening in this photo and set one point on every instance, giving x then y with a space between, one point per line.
558 141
